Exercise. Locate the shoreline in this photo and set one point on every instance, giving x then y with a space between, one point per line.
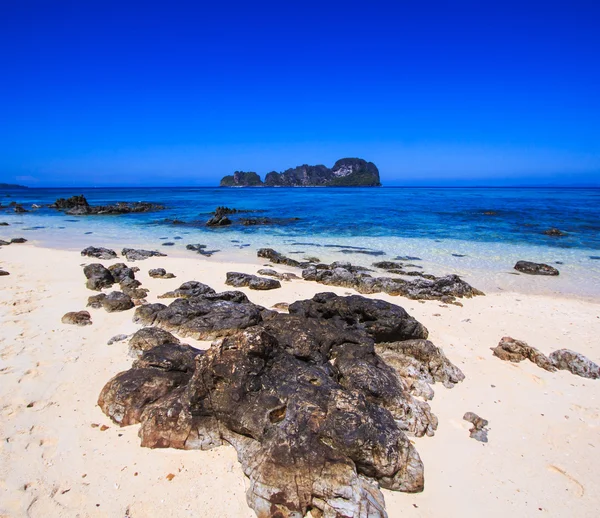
58 460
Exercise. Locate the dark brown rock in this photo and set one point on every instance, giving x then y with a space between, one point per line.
478 431
99 252
238 280
535 268
98 277
78 318
516 351
117 301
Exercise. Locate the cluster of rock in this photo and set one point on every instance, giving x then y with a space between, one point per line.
353 172
318 402
99 277
220 218
344 274
14 240
160 273
516 351
79 206
535 268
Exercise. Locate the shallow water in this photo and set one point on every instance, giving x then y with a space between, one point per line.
478 233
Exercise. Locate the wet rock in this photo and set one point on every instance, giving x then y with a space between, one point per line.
168 243
387 265
535 268
117 301
139 255
4 243
116 208
4 224
98 277
238 280
149 337
576 363
18 240
78 318
516 351
554 232
99 252
3 273
95 301
363 252
285 276
69 203
478 431
201 249
188 290
220 218
19 209
277 258
160 273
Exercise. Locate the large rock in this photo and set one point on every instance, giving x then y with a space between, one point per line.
575 363
383 321
238 280
99 252
220 219
98 277
117 301
516 351
316 416
187 290
535 268
139 255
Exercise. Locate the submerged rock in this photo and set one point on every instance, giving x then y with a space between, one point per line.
78 318
220 218
18 240
139 255
99 252
318 418
535 268
554 232
478 431
238 280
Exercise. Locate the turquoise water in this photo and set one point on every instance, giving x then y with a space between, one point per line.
474 232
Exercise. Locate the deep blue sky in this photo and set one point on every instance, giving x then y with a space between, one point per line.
181 93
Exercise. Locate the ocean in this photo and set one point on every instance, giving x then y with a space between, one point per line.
475 232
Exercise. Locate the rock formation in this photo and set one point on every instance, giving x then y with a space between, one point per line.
535 268
318 418
99 252
347 172
239 280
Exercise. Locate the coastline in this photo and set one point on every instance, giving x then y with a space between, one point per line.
544 427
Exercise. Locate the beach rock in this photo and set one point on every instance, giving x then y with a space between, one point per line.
95 301
419 361
201 249
554 232
478 431
535 268
117 301
19 209
3 273
78 318
220 218
160 273
117 338
576 363
285 276
18 240
188 290
148 338
308 415
99 252
516 351
387 265
123 274
98 277
277 258
284 306
139 255
4 243
4 224
383 321
238 280
69 203
202 317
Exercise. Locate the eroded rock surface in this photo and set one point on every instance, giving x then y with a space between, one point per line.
516 351
575 363
78 318
318 418
535 268
99 252
117 301
239 280
139 255
479 430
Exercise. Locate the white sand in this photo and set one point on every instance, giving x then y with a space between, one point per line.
542 458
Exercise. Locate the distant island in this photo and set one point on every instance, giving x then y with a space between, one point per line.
12 186
346 172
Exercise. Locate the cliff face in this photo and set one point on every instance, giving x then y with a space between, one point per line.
347 172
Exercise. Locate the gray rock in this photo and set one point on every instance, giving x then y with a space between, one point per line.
536 268
139 255
479 430
253 282
78 318
98 277
117 301
99 252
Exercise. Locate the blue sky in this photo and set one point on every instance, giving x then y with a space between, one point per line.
181 93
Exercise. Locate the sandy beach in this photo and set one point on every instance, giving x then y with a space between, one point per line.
61 456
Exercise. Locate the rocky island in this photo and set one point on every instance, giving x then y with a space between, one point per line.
346 172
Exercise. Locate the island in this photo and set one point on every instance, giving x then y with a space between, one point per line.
346 172
12 186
